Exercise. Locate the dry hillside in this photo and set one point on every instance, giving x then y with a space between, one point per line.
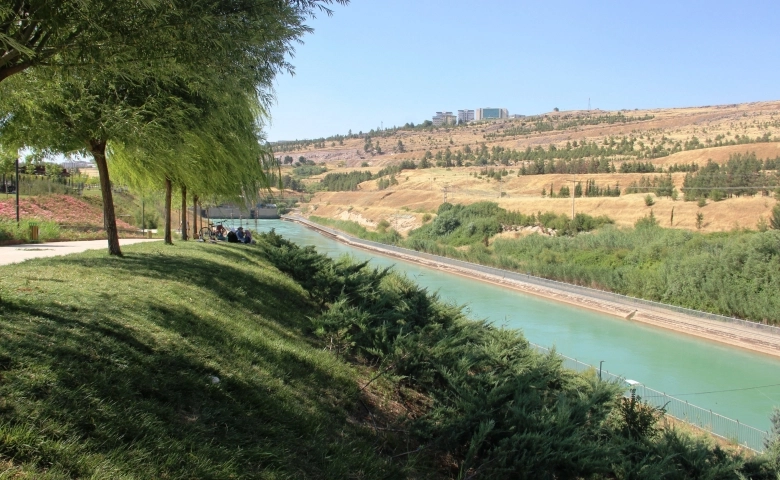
421 191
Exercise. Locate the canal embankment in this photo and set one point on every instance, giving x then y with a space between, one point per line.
751 336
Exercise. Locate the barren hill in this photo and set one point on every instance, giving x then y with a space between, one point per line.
661 137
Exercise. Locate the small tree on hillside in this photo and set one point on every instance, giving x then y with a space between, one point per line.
774 220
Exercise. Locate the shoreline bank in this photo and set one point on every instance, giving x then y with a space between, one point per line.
740 336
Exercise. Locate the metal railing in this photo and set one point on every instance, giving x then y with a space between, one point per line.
705 419
544 282
726 428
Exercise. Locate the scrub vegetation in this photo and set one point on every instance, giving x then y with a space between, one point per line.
733 273
485 404
274 361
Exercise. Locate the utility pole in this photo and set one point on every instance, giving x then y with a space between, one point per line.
573 193
17 191
446 186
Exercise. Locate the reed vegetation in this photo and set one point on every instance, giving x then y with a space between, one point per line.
733 273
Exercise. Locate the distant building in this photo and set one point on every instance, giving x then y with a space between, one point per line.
444 118
517 116
465 116
491 113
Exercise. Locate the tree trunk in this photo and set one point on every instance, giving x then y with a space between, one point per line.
195 217
98 150
6 72
184 232
168 188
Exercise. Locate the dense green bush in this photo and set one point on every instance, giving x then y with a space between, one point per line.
342 182
736 273
382 235
305 171
10 231
492 405
741 175
732 273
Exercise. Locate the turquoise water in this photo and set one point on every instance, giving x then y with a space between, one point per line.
673 363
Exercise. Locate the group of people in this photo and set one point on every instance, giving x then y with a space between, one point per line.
233 235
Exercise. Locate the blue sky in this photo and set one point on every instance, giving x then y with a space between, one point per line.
392 62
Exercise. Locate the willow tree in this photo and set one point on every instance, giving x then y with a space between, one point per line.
222 153
119 90
63 33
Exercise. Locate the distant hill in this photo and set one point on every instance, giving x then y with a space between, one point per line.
465 158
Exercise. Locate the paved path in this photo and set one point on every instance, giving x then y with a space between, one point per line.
19 253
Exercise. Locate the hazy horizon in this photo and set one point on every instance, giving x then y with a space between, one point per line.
390 63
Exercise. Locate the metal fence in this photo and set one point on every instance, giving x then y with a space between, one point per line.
707 420
543 282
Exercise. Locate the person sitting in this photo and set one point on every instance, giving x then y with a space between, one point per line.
240 234
220 232
248 237
232 237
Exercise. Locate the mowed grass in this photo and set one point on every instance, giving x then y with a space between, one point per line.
108 369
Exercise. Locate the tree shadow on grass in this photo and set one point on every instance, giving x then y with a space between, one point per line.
136 390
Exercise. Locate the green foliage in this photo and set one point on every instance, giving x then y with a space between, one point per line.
649 200
384 182
661 185
383 225
488 396
90 385
730 274
636 420
340 182
699 220
774 220
383 236
11 232
637 167
459 225
305 171
741 175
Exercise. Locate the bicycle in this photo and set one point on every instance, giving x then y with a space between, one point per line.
207 234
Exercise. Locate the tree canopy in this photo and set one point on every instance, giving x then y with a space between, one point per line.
148 76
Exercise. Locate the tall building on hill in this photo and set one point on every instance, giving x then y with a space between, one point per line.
491 113
443 118
465 116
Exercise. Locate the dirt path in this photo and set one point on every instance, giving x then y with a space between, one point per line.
757 338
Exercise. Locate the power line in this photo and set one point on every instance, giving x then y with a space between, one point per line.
746 187
720 391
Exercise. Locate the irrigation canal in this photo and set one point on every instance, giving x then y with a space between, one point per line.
730 381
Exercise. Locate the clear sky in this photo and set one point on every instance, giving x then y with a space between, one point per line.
390 62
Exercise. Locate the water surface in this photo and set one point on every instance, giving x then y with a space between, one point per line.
677 364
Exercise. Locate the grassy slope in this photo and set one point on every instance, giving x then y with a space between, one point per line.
106 366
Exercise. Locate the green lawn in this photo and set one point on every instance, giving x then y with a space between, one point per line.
108 369
203 361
